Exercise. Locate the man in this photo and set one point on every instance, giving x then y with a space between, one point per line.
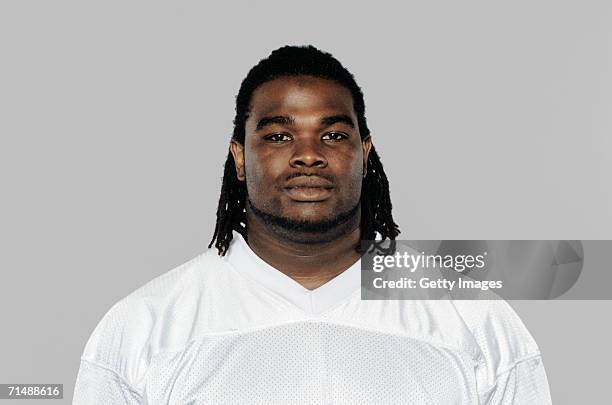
274 315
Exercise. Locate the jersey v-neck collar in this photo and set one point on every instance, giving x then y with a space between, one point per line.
245 261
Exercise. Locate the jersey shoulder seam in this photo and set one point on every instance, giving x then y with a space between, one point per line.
356 326
509 368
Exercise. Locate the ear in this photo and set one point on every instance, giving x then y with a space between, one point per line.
237 150
366 144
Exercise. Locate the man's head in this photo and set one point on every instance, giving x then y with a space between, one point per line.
301 159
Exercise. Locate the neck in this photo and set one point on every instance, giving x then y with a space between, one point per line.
311 264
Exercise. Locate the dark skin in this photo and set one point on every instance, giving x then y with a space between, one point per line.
303 159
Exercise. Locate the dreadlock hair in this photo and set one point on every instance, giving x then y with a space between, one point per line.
295 61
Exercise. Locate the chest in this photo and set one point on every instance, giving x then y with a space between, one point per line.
310 363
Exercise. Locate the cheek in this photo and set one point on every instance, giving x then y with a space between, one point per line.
353 165
352 178
262 171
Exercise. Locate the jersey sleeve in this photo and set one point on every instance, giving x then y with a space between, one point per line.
115 359
510 369
115 362
97 384
524 384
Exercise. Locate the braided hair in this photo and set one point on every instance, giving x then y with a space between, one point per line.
295 61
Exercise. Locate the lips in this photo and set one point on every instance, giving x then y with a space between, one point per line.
309 181
308 189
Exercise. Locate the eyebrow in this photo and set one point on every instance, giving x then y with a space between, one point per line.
334 119
278 119
286 120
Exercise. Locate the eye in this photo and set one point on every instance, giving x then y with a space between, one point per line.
334 136
278 138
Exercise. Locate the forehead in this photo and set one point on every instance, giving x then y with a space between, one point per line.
300 94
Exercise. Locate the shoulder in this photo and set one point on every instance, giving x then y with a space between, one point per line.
496 326
502 337
150 319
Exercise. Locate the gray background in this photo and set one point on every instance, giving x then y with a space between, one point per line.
492 119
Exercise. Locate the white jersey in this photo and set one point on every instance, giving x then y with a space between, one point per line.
235 330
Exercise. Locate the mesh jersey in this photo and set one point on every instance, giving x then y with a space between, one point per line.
234 330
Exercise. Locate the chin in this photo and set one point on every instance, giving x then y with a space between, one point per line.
310 217
308 222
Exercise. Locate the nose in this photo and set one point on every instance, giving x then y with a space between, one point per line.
307 153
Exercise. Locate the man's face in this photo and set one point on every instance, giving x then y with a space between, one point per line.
303 159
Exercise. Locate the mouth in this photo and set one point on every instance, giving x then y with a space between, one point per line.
308 194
